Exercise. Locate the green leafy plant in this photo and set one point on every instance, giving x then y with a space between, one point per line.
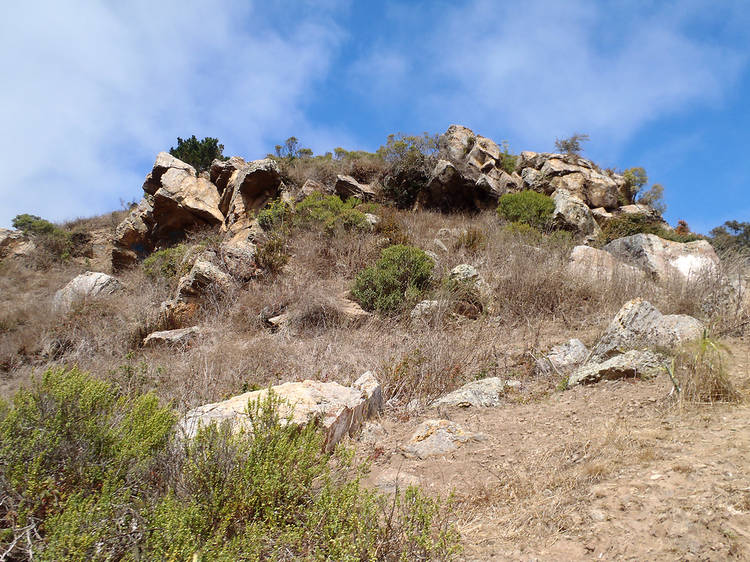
168 263
272 254
273 214
508 160
199 154
527 207
635 179
400 276
330 212
732 235
639 223
410 160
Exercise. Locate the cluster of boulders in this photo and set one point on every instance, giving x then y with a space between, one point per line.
636 344
472 172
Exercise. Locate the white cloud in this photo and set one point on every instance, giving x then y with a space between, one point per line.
542 69
92 92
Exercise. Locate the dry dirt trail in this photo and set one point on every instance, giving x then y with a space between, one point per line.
613 471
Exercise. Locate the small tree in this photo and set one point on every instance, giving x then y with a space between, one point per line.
572 144
654 198
635 179
732 235
291 150
199 154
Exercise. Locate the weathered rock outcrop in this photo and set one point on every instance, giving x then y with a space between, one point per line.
175 199
89 285
639 324
248 190
221 171
665 258
204 278
339 409
634 363
468 174
14 243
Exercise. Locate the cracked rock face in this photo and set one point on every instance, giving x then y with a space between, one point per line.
634 363
438 437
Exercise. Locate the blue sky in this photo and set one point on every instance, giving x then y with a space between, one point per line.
93 90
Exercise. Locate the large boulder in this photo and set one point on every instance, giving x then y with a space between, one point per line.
132 239
572 214
563 358
248 190
340 410
87 286
164 162
598 265
666 259
14 243
639 324
634 363
347 186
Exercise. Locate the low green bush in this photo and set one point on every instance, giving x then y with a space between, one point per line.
273 214
527 207
53 244
400 276
89 473
167 264
330 212
630 224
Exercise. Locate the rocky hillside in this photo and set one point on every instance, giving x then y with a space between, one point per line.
512 329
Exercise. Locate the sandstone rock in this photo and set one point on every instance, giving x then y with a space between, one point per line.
340 409
634 363
531 160
372 393
460 144
664 258
482 393
438 437
601 190
572 214
132 239
475 295
89 285
601 215
204 278
347 186
533 179
164 162
248 190
237 256
573 183
184 200
371 219
392 480
372 433
14 243
595 264
465 273
180 336
175 312
639 324
563 358
498 182
559 167
222 170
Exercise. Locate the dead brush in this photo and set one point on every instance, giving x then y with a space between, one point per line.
699 375
316 311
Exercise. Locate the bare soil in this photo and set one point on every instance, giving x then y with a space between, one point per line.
614 471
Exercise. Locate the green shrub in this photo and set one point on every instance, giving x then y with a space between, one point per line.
272 255
410 160
630 224
273 214
635 179
199 154
90 473
167 263
508 161
400 276
527 207
572 144
330 212
32 224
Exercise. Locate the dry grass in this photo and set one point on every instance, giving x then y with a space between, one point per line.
700 375
537 303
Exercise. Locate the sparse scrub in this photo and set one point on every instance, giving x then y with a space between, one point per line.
572 144
167 264
330 212
199 154
527 207
630 224
273 214
699 374
399 277
272 254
